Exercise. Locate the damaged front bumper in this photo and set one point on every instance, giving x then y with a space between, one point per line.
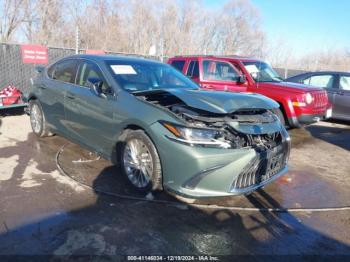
195 172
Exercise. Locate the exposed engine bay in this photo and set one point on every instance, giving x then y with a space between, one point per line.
223 123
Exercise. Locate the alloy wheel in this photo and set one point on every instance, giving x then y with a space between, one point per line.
36 118
138 163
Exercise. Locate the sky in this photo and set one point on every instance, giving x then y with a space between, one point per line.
303 25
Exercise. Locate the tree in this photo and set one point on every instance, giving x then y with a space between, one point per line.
11 13
239 29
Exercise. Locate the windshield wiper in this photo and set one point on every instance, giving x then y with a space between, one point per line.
141 92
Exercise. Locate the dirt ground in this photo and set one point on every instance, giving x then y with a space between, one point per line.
43 212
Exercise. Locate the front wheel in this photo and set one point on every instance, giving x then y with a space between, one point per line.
140 161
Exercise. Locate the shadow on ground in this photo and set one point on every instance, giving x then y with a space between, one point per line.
332 134
113 227
12 111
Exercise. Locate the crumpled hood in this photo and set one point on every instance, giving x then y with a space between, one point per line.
222 102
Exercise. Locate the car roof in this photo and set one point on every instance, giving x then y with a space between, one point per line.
319 72
225 57
330 72
120 58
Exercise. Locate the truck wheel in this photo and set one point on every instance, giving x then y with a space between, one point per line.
140 162
280 115
37 119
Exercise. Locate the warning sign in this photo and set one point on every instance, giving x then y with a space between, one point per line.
34 54
94 52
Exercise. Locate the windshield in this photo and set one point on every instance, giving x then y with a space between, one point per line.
143 76
262 72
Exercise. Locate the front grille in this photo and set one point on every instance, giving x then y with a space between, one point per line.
320 99
264 166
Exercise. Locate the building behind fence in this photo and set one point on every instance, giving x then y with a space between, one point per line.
14 72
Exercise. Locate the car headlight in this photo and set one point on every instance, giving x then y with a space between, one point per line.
197 136
308 98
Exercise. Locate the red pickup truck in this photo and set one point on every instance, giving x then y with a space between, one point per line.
299 104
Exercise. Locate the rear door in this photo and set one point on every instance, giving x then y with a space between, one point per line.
342 98
90 117
221 76
54 89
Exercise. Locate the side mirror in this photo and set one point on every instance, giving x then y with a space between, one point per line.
241 79
39 69
95 85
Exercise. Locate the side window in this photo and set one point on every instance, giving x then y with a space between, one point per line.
178 64
217 70
238 68
306 81
322 81
88 70
193 69
64 71
344 83
50 70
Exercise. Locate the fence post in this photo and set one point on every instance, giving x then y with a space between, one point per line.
285 73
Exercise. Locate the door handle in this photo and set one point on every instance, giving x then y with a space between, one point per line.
340 93
42 86
70 95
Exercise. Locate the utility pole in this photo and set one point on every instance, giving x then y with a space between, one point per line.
77 39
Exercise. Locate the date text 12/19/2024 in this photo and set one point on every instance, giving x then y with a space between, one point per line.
172 258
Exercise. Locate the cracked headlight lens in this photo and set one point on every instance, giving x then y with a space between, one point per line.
197 136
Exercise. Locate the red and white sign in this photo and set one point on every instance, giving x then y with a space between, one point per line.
34 54
94 52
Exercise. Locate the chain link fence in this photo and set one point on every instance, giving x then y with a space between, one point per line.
285 72
14 72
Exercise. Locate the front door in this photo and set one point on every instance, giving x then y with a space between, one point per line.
90 116
192 70
342 98
329 82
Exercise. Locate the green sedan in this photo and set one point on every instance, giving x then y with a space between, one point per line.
164 131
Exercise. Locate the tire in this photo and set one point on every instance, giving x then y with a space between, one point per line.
37 119
140 162
280 115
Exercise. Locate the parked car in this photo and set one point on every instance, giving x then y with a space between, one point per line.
299 104
337 85
164 131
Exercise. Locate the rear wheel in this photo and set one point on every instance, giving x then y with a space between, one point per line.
140 162
37 119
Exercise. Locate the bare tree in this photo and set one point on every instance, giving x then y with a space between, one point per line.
278 53
331 59
11 18
239 30
30 17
